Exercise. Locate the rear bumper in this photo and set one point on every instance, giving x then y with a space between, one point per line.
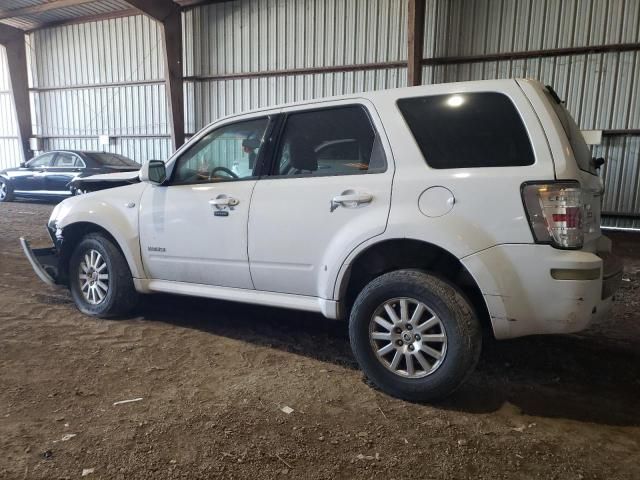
536 289
44 262
612 269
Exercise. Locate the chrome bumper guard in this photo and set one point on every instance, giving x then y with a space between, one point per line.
44 262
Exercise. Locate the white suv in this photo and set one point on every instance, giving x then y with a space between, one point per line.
421 215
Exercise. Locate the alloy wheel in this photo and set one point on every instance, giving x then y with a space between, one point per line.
407 337
94 277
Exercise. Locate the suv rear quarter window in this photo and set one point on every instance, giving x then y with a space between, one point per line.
468 130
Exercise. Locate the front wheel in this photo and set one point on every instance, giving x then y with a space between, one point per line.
414 335
100 280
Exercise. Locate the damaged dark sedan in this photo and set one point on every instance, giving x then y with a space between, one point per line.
59 174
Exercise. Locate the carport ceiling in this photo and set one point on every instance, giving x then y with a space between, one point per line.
33 14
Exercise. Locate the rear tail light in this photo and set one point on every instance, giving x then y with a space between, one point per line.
555 211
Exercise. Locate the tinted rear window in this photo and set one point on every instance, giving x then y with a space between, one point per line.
468 130
112 160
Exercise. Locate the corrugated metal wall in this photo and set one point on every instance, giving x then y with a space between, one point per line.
602 90
236 51
73 69
10 151
249 36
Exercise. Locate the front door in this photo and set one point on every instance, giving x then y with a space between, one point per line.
194 228
330 190
30 179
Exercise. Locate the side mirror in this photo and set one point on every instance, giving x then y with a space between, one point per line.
154 172
598 162
23 164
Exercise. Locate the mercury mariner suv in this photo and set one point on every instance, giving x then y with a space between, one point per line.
421 215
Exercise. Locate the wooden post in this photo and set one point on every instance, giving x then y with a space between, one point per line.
173 75
415 42
13 41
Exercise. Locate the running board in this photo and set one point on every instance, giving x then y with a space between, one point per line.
328 308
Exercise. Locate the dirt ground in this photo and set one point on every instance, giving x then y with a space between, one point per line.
213 377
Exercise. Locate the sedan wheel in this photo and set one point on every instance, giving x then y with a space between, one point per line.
6 195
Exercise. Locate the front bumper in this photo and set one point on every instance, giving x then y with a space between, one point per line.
44 261
526 296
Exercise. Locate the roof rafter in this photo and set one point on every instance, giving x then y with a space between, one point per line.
43 7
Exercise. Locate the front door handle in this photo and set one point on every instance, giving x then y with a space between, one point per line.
350 199
224 201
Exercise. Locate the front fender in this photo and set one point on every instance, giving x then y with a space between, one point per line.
116 211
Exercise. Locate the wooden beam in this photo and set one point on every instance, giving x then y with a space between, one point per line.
157 9
198 3
43 7
168 14
530 54
13 40
8 33
415 41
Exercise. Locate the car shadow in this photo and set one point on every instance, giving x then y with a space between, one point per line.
581 378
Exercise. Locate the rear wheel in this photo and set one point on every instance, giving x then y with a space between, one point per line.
414 335
100 280
6 192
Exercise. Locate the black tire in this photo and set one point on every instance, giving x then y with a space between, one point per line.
121 296
8 196
457 319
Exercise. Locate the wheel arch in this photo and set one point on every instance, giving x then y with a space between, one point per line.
73 233
405 253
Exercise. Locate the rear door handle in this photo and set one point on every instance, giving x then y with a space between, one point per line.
350 199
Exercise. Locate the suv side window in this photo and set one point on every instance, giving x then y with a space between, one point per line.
42 161
225 154
329 141
468 130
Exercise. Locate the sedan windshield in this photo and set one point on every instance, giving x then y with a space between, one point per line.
112 160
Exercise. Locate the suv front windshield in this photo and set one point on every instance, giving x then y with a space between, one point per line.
580 149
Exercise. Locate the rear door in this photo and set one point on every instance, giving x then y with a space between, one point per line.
329 190
66 166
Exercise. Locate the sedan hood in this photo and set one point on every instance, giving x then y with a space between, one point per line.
115 177
130 177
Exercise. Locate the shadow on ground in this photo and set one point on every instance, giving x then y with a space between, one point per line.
582 378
